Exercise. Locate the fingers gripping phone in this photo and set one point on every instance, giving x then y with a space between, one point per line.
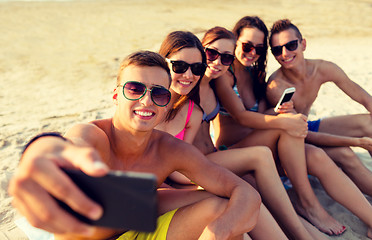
128 199
286 96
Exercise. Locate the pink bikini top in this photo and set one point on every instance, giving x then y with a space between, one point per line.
181 134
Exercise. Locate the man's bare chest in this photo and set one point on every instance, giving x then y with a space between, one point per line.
305 96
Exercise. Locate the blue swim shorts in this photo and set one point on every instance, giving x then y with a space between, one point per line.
313 125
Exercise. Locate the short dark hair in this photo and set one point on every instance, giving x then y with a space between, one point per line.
143 58
282 25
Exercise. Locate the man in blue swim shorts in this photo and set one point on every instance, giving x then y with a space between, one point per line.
313 125
228 207
334 134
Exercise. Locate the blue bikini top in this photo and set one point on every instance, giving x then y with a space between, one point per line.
223 111
209 117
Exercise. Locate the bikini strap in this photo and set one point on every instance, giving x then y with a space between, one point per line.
189 111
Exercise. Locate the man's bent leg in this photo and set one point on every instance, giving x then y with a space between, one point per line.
189 222
352 166
358 125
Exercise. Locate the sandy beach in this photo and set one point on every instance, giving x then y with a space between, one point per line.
58 62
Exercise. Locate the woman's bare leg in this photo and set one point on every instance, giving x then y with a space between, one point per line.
260 162
333 180
315 233
291 152
266 227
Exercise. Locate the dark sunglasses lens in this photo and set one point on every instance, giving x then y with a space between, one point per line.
160 96
247 47
276 51
227 59
179 66
133 90
198 69
211 54
291 46
260 51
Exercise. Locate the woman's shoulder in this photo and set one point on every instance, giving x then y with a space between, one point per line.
226 78
197 111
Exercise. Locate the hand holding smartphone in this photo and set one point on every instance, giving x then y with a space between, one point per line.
129 199
286 96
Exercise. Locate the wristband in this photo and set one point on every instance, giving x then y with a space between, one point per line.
46 134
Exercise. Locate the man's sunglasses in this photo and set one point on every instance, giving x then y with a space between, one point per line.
136 90
290 46
179 66
248 47
226 59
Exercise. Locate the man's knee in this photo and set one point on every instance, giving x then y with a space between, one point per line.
213 207
367 126
345 157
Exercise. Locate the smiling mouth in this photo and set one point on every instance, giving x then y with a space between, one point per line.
288 60
185 83
144 113
214 69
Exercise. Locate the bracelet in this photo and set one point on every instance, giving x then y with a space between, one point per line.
46 134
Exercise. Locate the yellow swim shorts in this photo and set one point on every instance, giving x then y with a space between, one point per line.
160 231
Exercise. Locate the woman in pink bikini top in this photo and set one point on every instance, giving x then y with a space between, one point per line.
187 61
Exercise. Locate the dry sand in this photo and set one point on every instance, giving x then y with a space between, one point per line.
58 62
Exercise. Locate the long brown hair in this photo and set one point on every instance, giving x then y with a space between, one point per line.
215 34
174 42
259 67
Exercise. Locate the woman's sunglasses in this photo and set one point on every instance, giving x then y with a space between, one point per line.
226 59
179 66
248 47
290 46
136 90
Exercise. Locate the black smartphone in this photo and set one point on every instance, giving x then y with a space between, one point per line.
129 199
286 96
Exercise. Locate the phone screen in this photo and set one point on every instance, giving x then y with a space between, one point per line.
287 97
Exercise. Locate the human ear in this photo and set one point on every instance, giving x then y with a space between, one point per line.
303 43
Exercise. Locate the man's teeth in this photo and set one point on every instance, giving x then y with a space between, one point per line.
288 60
144 114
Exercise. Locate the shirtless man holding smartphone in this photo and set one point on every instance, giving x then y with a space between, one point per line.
128 142
333 134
